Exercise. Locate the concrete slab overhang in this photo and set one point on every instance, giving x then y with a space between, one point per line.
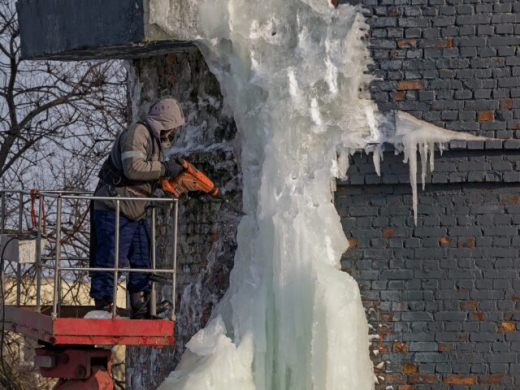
95 29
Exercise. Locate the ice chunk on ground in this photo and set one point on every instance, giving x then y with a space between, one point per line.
98 315
212 361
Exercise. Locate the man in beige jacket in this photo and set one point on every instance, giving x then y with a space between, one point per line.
132 169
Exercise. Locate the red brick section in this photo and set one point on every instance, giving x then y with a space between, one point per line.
446 347
495 379
399 95
467 243
427 379
405 387
383 348
446 44
463 338
409 85
388 232
486 116
386 316
506 104
352 242
400 347
407 43
469 305
506 327
395 378
409 368
385 329
445 241
479 316
510 199
459 380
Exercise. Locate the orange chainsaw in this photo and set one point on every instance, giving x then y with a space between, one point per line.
191 179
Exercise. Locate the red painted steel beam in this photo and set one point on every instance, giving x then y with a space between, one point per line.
107 340
113 331
112 327
81 331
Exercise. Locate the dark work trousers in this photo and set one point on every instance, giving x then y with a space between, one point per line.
134 248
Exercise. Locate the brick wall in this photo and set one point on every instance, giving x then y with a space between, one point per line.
443 296
454 63
207 229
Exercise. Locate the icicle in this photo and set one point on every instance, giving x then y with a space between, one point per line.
343 164
423 151
410 153
432 156
377 156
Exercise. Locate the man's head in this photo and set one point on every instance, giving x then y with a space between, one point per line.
165 116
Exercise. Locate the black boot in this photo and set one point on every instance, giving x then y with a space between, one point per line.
163 306
103 304
141 305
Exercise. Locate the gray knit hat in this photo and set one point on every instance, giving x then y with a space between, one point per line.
166 114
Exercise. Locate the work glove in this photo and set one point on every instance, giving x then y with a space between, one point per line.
172 168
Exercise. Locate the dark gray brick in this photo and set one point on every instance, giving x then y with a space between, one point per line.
466 245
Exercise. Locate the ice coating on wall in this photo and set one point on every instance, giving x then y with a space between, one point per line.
291 72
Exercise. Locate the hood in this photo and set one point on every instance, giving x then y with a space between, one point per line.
165 114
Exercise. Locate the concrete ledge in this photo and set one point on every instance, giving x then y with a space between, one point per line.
88 29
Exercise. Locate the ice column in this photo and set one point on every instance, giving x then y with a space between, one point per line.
291 71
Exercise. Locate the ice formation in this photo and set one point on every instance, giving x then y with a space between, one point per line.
413 135
293 72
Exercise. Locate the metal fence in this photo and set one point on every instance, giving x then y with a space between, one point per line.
21 196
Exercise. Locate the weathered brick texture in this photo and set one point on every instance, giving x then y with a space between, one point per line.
442 295
454 63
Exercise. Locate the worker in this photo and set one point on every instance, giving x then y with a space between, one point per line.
133 168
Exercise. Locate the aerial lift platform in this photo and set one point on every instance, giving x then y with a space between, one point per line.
73 348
